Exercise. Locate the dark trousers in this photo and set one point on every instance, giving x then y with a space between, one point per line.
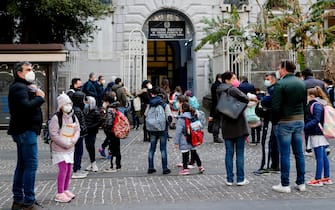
216 127
194 158
78 154
256 132
273 151
264 135
105 143
90 145
114 148
145 131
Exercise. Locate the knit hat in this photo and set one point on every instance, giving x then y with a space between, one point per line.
144 83
62 100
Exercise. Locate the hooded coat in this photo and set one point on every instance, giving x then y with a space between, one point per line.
180 138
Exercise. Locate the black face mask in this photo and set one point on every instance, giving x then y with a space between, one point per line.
78 88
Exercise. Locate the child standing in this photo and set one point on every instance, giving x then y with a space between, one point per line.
114 142
181 142
253 120
316 140
64 138
93 122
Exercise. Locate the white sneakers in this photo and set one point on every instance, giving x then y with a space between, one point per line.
287 189
92 167
244 182
79 175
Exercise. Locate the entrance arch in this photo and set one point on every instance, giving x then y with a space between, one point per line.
170 51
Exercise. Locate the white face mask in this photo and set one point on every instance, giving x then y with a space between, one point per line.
267 83
30 76
149 86
67 108
104 105
103 81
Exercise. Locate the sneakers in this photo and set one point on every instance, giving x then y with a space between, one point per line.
151 170
184 172
17 205
201 169
69 194
110 170
315 182
62 198
166 171
281 189
301 187
326 181
244 182
79 175
189 166
92 167
218 140
229 183
261 171
102 152
310 154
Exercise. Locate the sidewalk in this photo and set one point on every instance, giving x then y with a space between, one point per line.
132 185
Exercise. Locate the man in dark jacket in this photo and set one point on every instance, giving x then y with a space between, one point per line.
144 94
99 86
121 94
78 107
76 85
288 105
25 101
89 87
246 87
213 116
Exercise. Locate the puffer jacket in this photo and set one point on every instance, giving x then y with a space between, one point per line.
78 107
312 120
93 121
59 143
180 138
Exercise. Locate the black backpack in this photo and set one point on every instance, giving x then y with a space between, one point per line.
46 133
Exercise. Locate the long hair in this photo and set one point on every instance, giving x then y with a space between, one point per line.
318 92
187 108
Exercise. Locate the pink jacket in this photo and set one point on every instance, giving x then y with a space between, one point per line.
59 143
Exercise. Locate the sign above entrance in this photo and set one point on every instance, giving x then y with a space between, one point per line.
166 30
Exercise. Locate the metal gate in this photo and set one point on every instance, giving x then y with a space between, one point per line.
234 56
137 60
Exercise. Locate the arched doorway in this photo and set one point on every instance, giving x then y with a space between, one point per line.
169 48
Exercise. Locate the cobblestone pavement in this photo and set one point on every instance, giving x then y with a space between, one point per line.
133 186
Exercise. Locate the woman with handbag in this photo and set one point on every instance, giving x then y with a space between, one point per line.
234 126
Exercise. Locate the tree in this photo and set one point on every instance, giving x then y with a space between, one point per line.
48 21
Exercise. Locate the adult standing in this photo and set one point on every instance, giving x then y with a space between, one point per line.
89 87
213 116
25 101
121 94
234 132
99 86
76 85
311 82
144 94
288 104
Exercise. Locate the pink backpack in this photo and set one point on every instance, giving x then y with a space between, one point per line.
328 127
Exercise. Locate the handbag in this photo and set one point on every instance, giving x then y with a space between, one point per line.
230 106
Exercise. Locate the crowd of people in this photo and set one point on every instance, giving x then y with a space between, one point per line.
292 107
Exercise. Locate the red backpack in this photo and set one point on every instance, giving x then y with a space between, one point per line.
193 136
121 125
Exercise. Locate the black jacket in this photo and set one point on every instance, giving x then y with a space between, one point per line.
214 86
78 107
25 108
93 121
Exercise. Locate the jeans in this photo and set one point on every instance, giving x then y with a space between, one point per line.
322 162
26 167
154 136
231 145
78 154
290 134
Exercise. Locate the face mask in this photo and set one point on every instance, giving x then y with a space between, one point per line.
104 105
235 83
149 86
267 83
103 81
67 108
278 74
30 76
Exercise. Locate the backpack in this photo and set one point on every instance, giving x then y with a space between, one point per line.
194 133
46 132
121 126
155 119
328 127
